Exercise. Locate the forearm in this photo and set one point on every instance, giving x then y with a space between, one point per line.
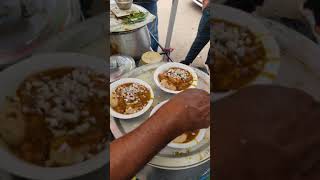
130 153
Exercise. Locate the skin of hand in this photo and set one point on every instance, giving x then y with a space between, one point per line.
266 132
188 110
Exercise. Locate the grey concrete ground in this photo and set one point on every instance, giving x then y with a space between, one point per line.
185 29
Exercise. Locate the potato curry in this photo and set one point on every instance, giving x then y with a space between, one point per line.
64 112
176 79
130 98
239 56
186 137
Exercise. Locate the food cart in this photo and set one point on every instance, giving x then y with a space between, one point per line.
169 163
89 37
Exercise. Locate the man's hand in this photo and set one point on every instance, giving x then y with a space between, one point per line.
189 110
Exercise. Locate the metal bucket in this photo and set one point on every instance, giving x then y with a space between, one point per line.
132 43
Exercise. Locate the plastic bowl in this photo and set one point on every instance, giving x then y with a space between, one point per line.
11 78
115 84
167 66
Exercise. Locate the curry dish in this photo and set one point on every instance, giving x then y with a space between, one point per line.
239 56
130 98
59 117
176 79
186 137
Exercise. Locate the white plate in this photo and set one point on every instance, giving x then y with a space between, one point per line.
190 144
246 20
113 87
10 78
167 66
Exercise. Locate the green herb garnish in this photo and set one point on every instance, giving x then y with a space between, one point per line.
135 17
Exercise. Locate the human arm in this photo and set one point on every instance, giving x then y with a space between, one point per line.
186 111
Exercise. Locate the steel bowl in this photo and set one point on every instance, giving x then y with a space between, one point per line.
132 43
124 4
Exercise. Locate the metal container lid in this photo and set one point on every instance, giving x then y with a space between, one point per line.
120 65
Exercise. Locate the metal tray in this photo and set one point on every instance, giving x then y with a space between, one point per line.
168 158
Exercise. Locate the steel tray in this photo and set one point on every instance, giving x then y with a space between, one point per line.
168 158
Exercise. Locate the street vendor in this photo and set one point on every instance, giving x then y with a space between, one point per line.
187 111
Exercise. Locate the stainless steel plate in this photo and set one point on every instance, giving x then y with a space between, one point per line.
168 158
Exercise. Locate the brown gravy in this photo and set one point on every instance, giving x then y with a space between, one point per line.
131 98
231 72
38 140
